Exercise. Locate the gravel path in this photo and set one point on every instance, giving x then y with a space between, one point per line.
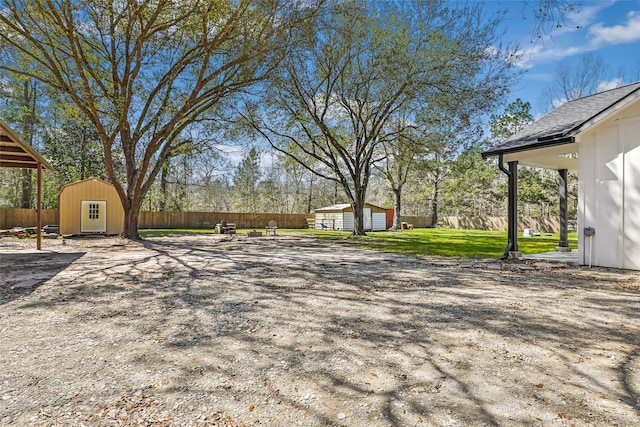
288 331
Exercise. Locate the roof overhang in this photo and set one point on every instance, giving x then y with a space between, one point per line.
15 153
556 157
550 141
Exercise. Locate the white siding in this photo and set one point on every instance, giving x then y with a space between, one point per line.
331 220
366 219
631 223
348 221
609 192
379 221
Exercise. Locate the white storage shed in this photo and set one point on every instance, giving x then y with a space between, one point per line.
599 137
340 217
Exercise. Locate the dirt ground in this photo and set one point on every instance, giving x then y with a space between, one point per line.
289 331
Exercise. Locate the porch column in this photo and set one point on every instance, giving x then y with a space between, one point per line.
512 173
563 245
38 209
513 210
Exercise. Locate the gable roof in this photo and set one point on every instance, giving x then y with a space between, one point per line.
344 206
84 181
564 123
15 153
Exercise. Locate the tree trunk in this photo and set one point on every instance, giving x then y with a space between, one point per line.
130 229
164 194
358 217
310 195
397 220
26 189
83 154
434 206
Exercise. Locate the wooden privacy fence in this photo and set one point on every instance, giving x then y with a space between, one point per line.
543 225
18 217
150 219
417 221
15 217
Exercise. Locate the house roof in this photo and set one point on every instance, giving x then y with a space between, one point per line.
15 153
563 124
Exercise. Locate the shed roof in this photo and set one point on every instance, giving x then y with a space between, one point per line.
564 123
344 206
15 153
338 207
92 179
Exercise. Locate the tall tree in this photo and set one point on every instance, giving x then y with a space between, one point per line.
476 187
21 97
514 118
245 182
145 72
364 62
396 166
75 151
536 187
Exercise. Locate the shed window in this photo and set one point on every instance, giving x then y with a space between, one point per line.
94 211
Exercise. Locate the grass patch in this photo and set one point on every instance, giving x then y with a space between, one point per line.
444 242
434 242
164 232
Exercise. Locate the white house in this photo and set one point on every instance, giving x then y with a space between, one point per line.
599 137
340 217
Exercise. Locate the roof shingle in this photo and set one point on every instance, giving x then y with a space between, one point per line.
564 122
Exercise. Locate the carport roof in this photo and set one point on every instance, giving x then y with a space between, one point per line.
563 124
15 153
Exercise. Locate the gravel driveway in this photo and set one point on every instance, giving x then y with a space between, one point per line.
290 331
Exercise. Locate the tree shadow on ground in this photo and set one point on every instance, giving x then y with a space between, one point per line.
272 324
23 273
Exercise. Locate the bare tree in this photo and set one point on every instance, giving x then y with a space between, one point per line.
549 15
363 63
572 81
145 72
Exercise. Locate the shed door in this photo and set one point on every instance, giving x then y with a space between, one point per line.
93 218
366 220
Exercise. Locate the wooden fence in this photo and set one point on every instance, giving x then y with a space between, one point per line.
258 221
17 217
14 217
543 225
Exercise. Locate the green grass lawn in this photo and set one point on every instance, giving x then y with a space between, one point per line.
447 242
438 242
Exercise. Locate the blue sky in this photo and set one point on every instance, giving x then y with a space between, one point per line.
609 30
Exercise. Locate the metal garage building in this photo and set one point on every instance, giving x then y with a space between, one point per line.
340 217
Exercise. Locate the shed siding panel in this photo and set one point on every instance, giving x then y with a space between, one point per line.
631 138
379 221
608 237
331 220
348 222
586 195
71 198
366 219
